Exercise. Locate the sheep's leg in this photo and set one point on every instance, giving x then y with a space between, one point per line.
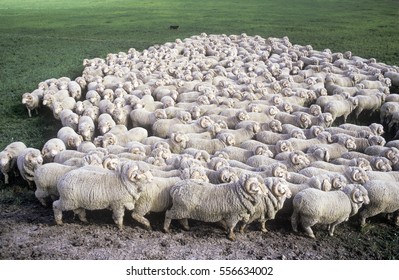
6 178
57 212
142 220
81 212
41 195
184 224
231 224
263 226
307 222
331 228
117 215
294 220
29 113
243 227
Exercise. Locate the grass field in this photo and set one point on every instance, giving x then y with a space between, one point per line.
44 39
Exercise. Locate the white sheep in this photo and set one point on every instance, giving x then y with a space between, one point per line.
32 100
313 206
135 134
46 178
70 138
69 118
95 188
271 203
384 198
51 148
86 128
105 123
8 158
229 203
28 161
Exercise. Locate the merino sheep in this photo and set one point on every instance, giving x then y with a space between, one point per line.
32 100
230 203
51 148
270 203
70 138
384 198
313 206
46 178
28 161
96 188
86 128
8 158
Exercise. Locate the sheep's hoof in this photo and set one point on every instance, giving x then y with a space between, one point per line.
264 230
231 237
166 230
312 236
59 223
147 227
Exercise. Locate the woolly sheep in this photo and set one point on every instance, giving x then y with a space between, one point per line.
270 203
70 138
51 148
69 118
143 118
134 134
105 123
384 198
28 161
46 178
32 100
155 197
96 188
86 128
8 158
313 206
230 203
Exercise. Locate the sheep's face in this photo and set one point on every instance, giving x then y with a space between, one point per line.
350 144
227 175
264 151
359 195
34 159
280 171
381 164
5 159
338 182
357 175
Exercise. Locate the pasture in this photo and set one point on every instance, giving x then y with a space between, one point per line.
49 39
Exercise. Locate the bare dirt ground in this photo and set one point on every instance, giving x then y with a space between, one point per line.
28 231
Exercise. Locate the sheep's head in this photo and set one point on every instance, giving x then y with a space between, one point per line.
5 160
381 164
377 129
253 185
356 175
205 122
111 162
304 120
195 173
321 153
217 163
264 151
242 115
33 158
227 175
284 146
227 138
362 163
275 126
280 170
376 140
338 182
278 187
315 110
135 172
297 133
299 158
109 139
358 194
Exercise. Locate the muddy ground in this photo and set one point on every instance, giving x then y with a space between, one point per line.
28 231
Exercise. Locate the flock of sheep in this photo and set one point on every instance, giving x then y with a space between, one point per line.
231 129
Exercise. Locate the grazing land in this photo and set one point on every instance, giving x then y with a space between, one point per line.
49 39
